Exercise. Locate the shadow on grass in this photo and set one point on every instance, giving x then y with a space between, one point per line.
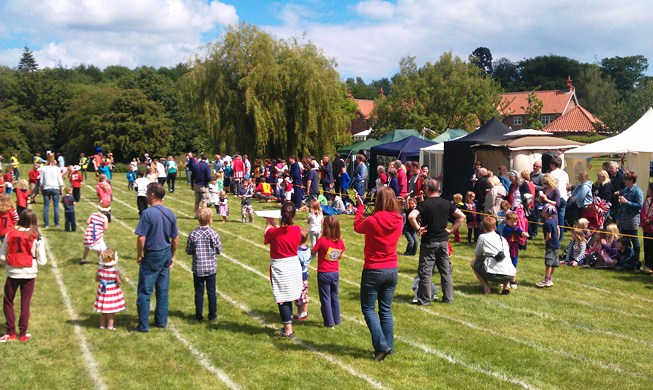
634 276
329 348
92 321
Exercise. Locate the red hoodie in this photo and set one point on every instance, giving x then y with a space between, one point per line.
382 231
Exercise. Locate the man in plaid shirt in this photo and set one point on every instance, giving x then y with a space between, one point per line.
204 245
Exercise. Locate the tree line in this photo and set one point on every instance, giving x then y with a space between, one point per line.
250 92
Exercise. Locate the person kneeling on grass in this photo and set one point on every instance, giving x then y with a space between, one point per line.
492 262
22 250
204 244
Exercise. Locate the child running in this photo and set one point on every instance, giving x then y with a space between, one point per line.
222 207
512 233
552 244
96 223
246 193
109 299
104 192
214 192
131 178
204 244
329 249
22 193
23 251
76 179
304 256
315 218
140 185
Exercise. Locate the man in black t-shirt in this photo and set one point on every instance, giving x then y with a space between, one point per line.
434 214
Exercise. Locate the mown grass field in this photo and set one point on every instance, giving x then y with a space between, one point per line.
591 330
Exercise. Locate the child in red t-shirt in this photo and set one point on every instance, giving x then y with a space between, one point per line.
329 249
22 193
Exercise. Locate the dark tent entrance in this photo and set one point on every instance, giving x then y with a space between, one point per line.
459 156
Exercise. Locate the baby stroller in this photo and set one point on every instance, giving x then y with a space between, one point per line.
596 212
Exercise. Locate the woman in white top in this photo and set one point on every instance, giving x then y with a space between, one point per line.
491 262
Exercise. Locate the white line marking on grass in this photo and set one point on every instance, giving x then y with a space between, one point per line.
534 345
453 360
514 339
374 383
424 348
200 356
87 356
603 290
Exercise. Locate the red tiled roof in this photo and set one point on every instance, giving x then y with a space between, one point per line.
553 102
578 120
365 107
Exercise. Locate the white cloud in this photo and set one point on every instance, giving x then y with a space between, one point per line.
375 9
125 32
372 45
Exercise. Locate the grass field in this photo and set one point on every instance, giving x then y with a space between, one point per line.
591 330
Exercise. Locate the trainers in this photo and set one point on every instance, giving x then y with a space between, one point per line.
379 356
513 286
647 270
544 283
25 337
302 318
285 335
7 337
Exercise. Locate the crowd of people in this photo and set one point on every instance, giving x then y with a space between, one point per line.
502 212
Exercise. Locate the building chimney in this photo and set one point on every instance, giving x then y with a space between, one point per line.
569 85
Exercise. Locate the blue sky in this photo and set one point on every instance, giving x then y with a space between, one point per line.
366 38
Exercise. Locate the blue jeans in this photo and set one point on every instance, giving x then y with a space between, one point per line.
379 285
199 282
561 217
359 186
411 237
51 195
327 284
153 274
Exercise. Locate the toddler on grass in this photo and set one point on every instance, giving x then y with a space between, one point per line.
314 220
513 233
222 207
109 299
204 245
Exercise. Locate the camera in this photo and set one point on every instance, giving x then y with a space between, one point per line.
499 256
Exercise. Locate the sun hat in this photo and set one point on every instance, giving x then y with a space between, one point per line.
104 209
76 168
548 208
109 261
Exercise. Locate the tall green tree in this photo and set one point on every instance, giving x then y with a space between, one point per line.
482 57
595 92
547 72
27 61
626 72
449 93
506 73
133 126
263 96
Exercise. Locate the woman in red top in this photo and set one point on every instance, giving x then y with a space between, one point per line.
379 279
329 248
285 270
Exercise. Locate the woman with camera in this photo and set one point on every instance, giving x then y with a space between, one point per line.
492 263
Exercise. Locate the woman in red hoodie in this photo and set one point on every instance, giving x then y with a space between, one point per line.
379 279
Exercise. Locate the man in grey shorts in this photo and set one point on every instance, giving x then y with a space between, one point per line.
201 180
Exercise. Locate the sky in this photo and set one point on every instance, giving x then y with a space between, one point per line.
366 38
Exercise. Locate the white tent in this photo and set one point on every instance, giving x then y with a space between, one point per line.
432 156
636 143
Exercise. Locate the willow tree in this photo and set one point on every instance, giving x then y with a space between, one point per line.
267 97
449 93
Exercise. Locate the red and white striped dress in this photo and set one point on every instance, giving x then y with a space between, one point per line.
95 229
109 295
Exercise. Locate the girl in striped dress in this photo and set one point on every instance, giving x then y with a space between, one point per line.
109 298
97 223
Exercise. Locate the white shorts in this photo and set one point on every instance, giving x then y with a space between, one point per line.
98 246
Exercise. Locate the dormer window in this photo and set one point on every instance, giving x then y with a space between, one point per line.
517 121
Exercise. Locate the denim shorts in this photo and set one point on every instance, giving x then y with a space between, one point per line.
551 258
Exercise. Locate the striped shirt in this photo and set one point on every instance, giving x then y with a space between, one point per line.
95 229
204 244
109 298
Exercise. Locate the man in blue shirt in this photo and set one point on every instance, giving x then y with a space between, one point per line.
360 174
201 180
582 196
155 253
